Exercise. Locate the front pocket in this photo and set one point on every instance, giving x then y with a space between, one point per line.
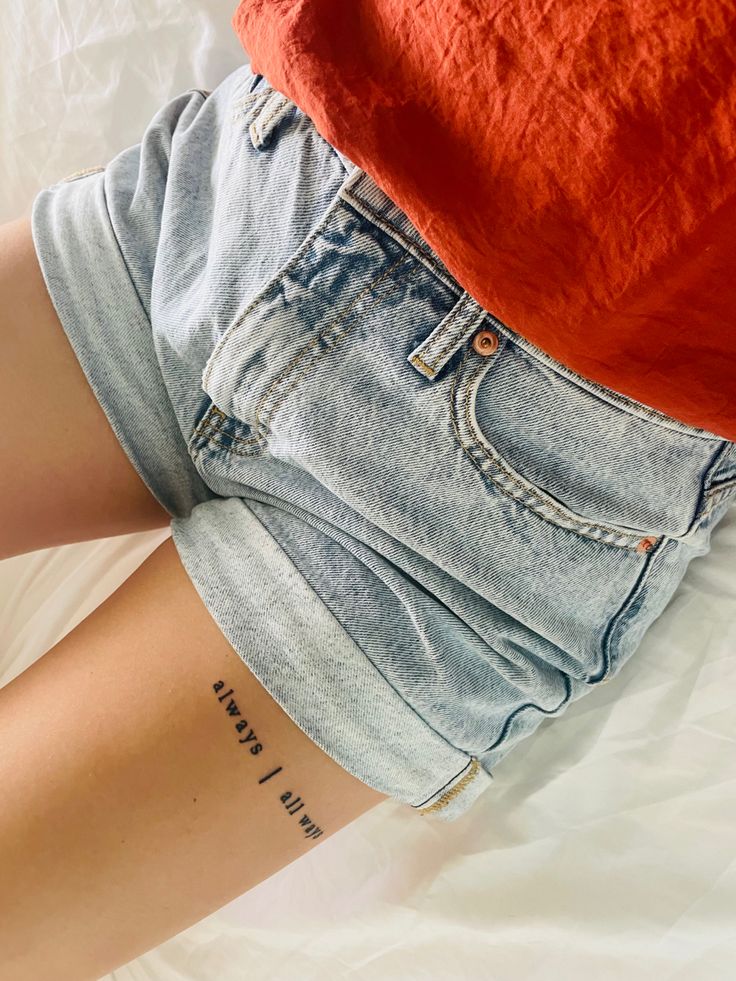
581 457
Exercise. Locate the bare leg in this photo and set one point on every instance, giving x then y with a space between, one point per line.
132 805
64 476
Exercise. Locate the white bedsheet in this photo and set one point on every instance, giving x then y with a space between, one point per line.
605 849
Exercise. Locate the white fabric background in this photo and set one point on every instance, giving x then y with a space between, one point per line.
605 849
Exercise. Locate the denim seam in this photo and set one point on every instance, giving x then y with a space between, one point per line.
264 410
248 440
624 402
203 432
282 106
628 406
197 431
108 215
427 259
727 450
244 102
623 615
716 493
451 320
627 403
237 451
525 486
473 766
207 424
530 359
712 498
705 503
268 287
532 705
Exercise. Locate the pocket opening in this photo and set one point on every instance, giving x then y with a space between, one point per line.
572 458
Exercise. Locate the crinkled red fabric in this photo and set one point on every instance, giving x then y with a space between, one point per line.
573 164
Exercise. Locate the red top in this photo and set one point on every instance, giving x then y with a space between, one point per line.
573 164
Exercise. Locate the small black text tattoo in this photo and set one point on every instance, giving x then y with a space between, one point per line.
291 801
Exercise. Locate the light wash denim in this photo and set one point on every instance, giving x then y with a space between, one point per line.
421 534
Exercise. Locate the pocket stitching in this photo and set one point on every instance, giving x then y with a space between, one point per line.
576 523
625 403
715 496
262 293
264 411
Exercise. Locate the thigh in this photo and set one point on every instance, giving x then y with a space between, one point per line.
65 477
144 770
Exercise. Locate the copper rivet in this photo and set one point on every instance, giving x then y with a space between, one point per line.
646 543
485 342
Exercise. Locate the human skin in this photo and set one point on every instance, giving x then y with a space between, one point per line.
145 770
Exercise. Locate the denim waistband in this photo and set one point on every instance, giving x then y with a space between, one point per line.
362 192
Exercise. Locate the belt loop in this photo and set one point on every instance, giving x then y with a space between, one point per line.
433 353
267 114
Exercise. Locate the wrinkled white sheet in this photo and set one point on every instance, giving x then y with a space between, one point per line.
605 849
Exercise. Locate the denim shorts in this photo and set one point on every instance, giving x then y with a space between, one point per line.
423 536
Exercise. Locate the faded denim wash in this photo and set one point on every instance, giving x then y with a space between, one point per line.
423 535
